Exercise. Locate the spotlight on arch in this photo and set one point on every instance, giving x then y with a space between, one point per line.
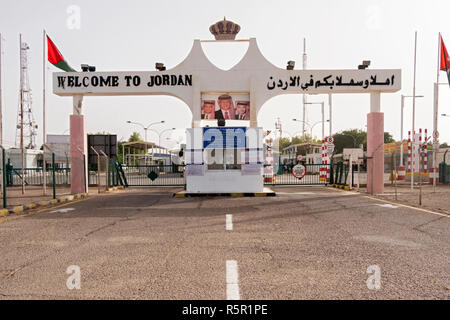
160 66
365 64
290 65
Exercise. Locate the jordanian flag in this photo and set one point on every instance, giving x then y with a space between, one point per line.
55 57
445 60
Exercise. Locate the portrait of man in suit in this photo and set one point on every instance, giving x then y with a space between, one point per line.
226 110
208 109
242 110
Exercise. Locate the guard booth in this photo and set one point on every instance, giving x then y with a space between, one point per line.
224 160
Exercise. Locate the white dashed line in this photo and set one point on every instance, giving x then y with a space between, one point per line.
232 280
229 222
387 205
62 210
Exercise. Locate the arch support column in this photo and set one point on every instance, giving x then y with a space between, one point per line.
78 149
375 146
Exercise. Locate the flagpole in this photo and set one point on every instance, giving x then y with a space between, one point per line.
1 106
436 114
44 163
414 111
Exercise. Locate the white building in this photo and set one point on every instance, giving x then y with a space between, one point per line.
31 157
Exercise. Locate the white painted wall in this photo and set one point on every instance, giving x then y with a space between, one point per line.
215 181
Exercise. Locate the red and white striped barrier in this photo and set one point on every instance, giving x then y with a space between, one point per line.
401 173
425 153
325 169
433 174
409 151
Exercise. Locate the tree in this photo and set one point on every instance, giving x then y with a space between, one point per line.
283 143
120 152
388 138
135 136
349 139
353 138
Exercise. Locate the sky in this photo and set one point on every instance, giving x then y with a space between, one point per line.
132 35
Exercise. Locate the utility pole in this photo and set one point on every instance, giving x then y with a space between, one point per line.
414 109
435 114
330 104
304 95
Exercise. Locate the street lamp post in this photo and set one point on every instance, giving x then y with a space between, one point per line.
160 134
322 104
311 127
146 128
303 126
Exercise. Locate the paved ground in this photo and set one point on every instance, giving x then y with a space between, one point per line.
306 243
437 199
32 194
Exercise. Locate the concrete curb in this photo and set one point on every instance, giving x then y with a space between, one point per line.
115 188
183 194
34 205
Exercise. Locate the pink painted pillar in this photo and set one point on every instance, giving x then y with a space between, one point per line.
375 147
78 141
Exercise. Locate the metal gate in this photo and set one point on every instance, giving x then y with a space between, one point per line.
284 176
155 175
173 175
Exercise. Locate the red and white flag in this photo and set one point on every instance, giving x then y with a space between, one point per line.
445 60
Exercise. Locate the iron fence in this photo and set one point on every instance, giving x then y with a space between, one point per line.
155 175
284 176
35 176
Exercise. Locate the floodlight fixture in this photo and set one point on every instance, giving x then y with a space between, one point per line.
290 65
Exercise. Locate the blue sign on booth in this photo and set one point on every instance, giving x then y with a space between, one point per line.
224 138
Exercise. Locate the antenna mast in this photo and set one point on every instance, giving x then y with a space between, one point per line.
29 124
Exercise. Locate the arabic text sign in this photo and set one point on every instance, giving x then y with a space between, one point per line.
336 81
299 171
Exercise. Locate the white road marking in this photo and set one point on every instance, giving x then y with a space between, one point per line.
229 222
63 210
387 205
232 280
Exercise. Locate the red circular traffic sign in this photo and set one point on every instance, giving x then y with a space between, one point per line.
329 139
299 171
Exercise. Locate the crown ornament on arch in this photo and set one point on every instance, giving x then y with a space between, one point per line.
225 30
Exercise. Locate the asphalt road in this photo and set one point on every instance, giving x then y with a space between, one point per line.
306 243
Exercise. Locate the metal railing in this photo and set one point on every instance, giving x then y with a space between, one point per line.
155 175
284 176
35 176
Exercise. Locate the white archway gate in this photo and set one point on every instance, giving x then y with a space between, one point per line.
253 76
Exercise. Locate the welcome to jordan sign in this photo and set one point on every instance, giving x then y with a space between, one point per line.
250 83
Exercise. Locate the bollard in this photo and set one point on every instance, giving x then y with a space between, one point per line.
4 177
53 176
84 172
